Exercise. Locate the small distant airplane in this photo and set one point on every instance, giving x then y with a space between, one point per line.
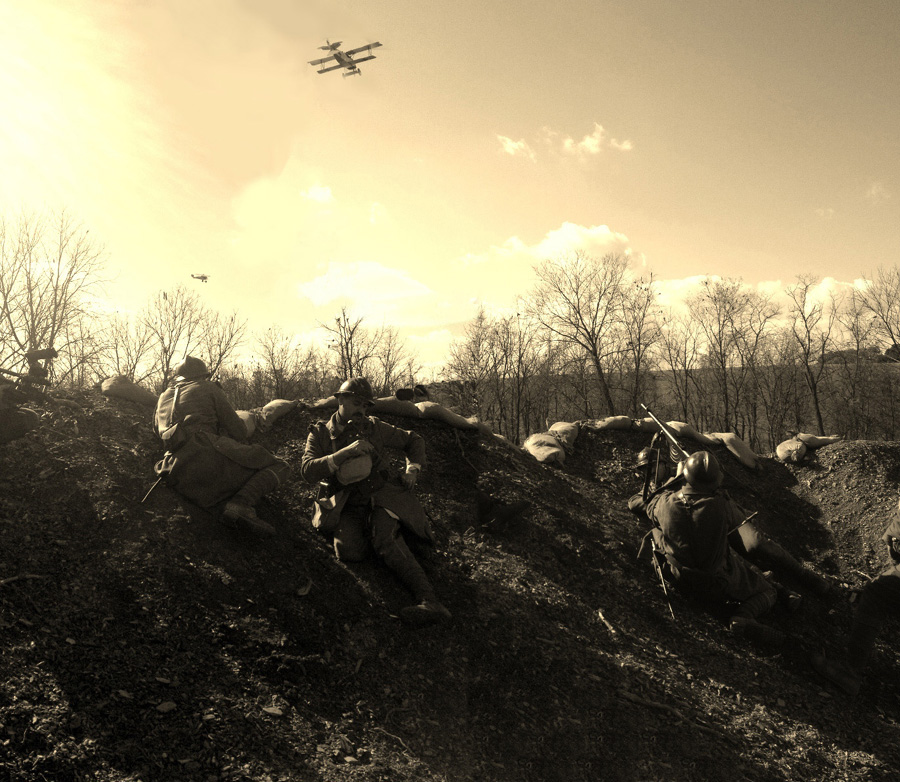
201 277
344 59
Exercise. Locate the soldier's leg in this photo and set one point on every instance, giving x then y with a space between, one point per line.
748 541
878 601
239 509
351 538
388 542
263 482
758 596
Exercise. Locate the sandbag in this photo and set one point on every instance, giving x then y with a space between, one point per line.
613 422
645 425
121 387
791 451
566 433
249 419
393 406
440 413
545 448
682 429
737 446
271 412
817 441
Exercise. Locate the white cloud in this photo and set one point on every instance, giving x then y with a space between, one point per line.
318 193
877 193
515 148
591 144
363 281
826 213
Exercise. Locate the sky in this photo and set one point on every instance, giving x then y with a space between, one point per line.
751 140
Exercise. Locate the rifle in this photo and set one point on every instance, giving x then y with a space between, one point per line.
666 432
662 579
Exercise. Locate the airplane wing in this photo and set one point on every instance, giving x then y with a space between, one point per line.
332 68
363 59
319 62
367 47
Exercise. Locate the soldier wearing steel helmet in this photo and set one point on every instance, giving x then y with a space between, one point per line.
692 523
360 503
208 459
746 539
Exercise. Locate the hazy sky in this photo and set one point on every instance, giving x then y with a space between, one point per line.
745 139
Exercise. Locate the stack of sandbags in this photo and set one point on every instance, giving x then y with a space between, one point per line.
249 419
271 412
566 434
818 441
545 448
613 422
121 387
790 451
794 449
737 446
440 413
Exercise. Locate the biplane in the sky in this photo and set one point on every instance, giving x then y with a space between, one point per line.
344 59
201 277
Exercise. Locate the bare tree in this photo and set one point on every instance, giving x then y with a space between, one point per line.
220 337
881 297
681 352
579 299
354 344
392 361
127 347
175 319
467 367
49 268
733 320
812 323
641 332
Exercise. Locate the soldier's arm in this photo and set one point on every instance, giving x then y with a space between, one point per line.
411 443
315 464
229 421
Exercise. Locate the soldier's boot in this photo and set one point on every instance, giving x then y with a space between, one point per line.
743 623
746 628
786 564
847 674
427 610
791 600
239 510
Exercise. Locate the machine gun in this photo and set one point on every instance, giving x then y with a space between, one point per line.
676 452
26 386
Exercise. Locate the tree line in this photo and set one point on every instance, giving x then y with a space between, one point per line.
591 339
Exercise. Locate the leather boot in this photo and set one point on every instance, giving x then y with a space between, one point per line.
746 628
787 565
838 673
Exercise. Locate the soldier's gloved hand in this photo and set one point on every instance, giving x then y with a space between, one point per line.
409 478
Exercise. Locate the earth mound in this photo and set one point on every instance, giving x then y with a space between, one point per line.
145 641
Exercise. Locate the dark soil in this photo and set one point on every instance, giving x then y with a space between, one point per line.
145 641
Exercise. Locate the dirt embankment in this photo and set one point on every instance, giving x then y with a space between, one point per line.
146 642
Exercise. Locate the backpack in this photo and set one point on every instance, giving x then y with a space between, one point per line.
173 435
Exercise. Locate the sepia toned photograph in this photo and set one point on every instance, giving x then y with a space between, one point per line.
418 391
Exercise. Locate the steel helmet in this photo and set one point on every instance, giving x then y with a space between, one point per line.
191 369
702 471
643 457
359 387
